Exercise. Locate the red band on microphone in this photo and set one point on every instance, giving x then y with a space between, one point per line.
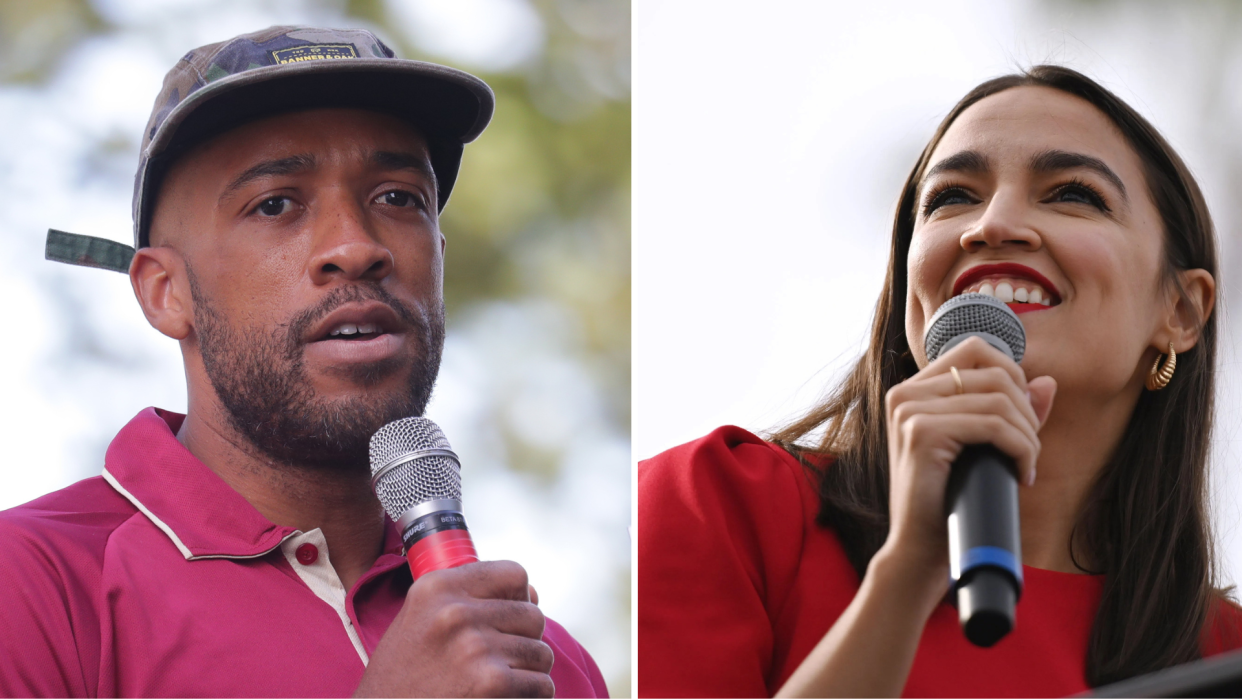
444 549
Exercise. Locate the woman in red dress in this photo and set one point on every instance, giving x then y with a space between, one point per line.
814 562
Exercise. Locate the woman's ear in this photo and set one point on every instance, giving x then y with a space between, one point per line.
1188 310
160 284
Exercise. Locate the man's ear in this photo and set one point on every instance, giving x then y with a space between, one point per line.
1187 311
162 288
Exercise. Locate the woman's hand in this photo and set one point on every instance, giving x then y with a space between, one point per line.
931 417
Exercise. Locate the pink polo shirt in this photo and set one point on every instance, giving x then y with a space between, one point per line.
158 579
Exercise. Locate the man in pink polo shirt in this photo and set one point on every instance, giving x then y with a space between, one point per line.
286 235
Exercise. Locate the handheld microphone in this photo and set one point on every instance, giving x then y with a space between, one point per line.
981 501
417 478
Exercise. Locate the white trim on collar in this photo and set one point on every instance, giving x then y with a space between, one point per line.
112 481
185 551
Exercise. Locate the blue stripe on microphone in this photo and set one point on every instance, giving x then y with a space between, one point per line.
993 556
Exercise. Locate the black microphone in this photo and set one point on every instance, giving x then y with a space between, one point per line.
981 501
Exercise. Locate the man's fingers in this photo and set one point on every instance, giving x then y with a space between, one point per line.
526 683
509 617
527 654
466 631
483 580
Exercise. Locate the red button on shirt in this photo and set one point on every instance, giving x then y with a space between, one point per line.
79 568
307 554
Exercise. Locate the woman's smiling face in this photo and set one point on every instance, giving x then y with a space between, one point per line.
1034 196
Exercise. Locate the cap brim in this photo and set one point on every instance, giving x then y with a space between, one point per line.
448 106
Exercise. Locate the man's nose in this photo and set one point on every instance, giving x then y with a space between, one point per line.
1005 222
346 244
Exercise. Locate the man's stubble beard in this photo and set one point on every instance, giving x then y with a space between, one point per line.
260 378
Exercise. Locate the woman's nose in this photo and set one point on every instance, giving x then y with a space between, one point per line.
1005 222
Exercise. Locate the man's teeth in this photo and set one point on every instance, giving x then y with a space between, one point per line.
352 329
1012 290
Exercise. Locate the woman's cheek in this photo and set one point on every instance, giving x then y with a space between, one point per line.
927 265
930 260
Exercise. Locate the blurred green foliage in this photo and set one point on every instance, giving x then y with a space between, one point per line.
34 34
543 204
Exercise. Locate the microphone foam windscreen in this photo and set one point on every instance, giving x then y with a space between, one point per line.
974 313
418 476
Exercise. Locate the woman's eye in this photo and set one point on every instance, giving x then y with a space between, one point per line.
274 206
1076 193
400 198
952 195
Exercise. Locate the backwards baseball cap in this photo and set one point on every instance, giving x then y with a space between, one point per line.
220 86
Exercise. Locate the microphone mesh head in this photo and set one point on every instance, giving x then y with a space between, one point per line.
969 313
422 478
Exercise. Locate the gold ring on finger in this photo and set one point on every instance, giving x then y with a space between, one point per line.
957 379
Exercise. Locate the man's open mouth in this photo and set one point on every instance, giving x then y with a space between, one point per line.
357 322
352 331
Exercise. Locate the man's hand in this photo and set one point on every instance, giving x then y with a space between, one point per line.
464 632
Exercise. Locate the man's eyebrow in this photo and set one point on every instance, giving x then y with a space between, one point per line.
965 161
282 166
401 160
1057 160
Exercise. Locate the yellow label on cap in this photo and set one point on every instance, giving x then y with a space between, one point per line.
314 52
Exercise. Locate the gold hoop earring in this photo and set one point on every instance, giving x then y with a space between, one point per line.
1157 380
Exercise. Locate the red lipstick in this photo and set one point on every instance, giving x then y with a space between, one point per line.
1011 270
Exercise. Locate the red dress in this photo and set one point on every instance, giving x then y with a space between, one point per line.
737 583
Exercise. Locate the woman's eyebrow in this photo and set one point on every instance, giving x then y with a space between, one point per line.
1057 160
964 161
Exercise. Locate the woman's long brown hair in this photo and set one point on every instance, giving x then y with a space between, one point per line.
1144 523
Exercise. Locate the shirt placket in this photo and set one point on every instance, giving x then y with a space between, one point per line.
307 553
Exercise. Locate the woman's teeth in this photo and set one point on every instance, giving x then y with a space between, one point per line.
1012 290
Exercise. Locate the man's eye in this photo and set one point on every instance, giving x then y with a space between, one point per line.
400 198
274 206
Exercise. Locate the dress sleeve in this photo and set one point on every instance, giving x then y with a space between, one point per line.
720 533
1223 632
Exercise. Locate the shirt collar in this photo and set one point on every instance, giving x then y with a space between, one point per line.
204 517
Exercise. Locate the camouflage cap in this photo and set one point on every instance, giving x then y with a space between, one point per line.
220 86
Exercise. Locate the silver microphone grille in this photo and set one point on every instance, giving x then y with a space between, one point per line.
974 314
412 463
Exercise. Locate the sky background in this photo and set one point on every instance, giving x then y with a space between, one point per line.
534 391
770 147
